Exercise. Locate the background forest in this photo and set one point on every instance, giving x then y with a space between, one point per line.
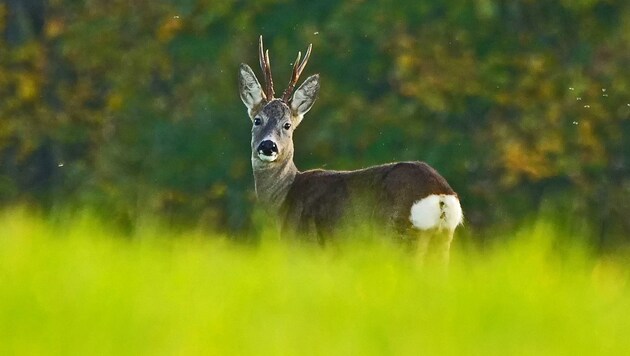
131 109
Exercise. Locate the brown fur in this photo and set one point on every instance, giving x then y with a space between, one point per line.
322 200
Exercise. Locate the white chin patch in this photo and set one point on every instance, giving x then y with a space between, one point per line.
266 158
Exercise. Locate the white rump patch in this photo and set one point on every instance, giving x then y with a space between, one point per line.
441 211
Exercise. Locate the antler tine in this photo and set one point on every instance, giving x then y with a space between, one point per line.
270 91
298 67
306 57
287 92
265 66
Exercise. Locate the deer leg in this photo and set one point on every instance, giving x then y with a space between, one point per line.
439 250
417 242
424 241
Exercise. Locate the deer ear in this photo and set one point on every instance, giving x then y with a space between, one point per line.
251 92
304 98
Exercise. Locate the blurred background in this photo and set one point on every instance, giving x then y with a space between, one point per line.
131 109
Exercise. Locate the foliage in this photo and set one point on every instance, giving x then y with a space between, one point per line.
73 286
131 107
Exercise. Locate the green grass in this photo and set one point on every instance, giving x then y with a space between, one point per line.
80 288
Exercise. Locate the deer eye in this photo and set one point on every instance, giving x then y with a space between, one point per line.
257 121
287 126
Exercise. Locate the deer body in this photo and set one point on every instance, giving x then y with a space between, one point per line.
381 195
408 198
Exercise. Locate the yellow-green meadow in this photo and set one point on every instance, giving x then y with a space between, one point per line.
79 287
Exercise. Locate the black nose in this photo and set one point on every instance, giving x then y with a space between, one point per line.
267 148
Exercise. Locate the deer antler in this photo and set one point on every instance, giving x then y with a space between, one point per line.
298 67
265 66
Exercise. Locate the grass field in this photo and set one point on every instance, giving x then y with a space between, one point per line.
79 288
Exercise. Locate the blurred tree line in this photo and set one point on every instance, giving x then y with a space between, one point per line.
131 107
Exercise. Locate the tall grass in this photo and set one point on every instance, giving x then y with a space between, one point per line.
77 287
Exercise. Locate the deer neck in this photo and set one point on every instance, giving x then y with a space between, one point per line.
273 182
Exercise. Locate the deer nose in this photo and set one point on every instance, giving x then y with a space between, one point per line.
267 148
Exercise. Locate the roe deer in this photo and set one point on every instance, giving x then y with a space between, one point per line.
410 199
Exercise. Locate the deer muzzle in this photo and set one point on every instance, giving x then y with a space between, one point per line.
267 151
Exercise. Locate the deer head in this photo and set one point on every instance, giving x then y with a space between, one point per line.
274 119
